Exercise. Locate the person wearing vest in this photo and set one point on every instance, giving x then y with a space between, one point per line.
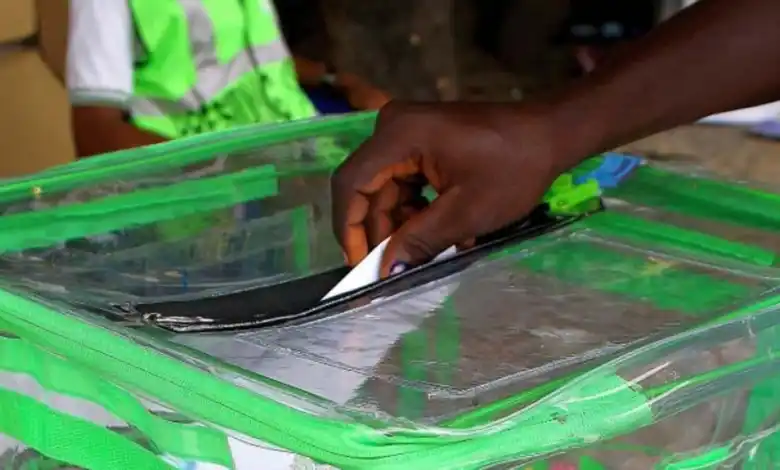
141 72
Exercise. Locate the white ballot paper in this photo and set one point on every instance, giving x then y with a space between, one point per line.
367 272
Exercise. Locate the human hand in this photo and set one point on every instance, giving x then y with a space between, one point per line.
489 163
361 94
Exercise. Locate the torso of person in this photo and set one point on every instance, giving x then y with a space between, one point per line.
183 67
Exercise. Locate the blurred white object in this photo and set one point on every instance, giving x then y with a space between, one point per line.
746 116
367 272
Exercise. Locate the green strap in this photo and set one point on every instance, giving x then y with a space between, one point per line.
701 198
344 444
709 460
664 285
763 408
176 154
69 439
494 410
670 237
49 227
188 442
341 443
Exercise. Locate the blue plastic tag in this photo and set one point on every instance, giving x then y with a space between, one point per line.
615 167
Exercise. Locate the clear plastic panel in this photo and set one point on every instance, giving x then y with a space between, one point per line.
688 197
56 404
500 327
243 224
711 396
541 332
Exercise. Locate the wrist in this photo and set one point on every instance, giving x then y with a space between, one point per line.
579 127
555 132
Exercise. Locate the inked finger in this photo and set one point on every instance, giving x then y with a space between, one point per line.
447 221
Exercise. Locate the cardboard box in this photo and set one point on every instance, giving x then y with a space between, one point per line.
35 113
17 19
53 34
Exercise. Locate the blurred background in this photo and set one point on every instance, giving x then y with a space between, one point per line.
414 49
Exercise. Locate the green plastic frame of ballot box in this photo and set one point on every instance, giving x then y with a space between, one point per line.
87 358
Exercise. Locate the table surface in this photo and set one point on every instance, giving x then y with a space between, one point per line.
731 152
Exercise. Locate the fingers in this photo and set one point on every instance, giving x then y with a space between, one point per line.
368 176
354 240
389 208
449 220
379 221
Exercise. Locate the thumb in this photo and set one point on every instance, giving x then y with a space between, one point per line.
445 222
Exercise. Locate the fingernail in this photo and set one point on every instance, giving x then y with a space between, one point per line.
398 267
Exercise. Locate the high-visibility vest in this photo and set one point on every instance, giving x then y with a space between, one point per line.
209 65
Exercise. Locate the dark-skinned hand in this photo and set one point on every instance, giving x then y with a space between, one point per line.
489 163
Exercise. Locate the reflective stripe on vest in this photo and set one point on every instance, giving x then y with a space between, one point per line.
210 65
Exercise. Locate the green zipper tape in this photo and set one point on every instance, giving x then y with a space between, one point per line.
49 227
502 407
710 375
301 239
500 445
664 285
709 460
69 439
701 198
583 393
664 236
762 406
179 153
346 445
196 443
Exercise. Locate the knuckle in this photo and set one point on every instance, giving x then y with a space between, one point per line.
419 247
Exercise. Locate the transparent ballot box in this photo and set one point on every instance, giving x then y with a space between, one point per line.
162 308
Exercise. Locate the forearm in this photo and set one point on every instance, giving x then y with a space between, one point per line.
124 136
97 133
309 72
717 56
315 73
